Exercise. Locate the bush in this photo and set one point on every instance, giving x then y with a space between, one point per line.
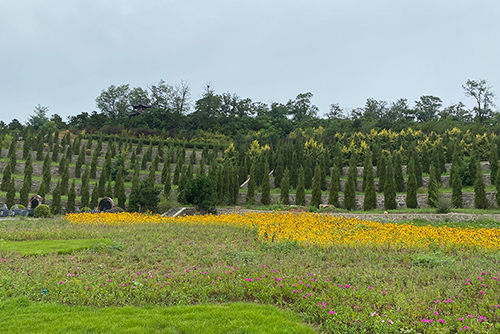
144 197
443 205
115 209
200 193
42 211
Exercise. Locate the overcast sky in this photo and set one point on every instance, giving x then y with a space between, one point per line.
62 54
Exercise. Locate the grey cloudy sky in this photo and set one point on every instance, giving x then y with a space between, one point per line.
61 54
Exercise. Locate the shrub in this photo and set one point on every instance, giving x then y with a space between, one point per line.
443 205
144 197
200 193
42 211
316 191
116 209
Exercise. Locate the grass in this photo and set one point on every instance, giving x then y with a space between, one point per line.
149 267
20 315
43 247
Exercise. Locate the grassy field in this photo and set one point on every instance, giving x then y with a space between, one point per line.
20 315
445 285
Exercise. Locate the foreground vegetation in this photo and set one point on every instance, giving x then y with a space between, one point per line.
22 316
341 286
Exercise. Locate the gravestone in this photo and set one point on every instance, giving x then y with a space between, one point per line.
105 204
34 201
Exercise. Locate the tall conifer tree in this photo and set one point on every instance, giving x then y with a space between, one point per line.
370 199
251 186
493 162
398 173
333 194
300 195
411 187
56 200
316 188
350 185
266 187
70 206
433 189
480 201
285 188
390 187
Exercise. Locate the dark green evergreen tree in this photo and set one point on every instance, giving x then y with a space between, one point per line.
55 153
149 152
285 188
333 194
27 144
11 193
480 201
7 175
89 143
94 198
46 177
103 178
165 172
56 200
456 184
167 184
278 170
152 174
84 191
69 154
418 168
70 206
266 187
437 164
76 145
156 161
308 172
498 188
398 173
109 189
316 188
132 160
365 169
426 162
390 187
12 154
350 185
493 163
472 166
28 171
177 171
138 149
93 166
25 193
39 146
251 186
381 172
201 169
49 140
370 199
300 195
144 162
294 171
122 198
79 163
433 189
411 187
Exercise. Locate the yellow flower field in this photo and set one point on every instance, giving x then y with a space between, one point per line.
311 228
